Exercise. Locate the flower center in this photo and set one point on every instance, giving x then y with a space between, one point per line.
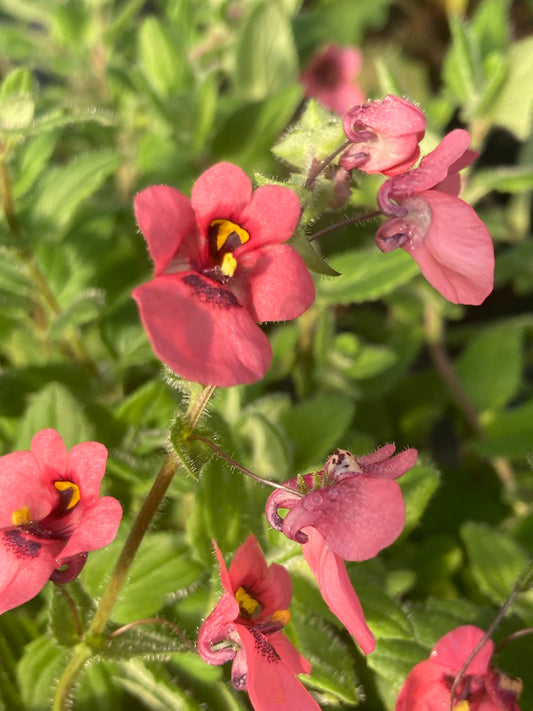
249 607
225 237
69 494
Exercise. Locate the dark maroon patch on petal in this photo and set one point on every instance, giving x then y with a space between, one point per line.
209 293
264 647
20 546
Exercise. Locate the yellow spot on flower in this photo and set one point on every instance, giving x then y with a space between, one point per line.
282 616
21 516
249 606
225 229
462 706
229 264
69 486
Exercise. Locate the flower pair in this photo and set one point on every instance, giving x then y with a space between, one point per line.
427 219
51 514
350 510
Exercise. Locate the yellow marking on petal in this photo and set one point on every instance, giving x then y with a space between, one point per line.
229 264
74 488
462 706
225 229
249 606
21 516
282 616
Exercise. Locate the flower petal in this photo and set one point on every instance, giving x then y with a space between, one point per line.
337 590
51 453
26 563
357 517
86 467
453 649
199 328
22 487
271 217
273 283
424 689
96 529
220 193
270 683
165 217
456 256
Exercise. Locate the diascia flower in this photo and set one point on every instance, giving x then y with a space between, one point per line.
330 78
245 627
385 136
351 510
221 266
482 688
51 514
442 233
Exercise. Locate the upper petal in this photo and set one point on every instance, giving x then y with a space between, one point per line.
453 649
86 467
273 283
337 590
22 487
357 517
424 689
220 193
26 563
391 116
199 328
165 217
271 216
51 453
456 255
270 683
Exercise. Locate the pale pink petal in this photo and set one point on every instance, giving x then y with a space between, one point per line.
86 467
216 629
391 116
456 256
26 563
273 283
165 217
51 454
357 517
270 218
453 649
96 529
271 685
199 328
389 155
22 486
388 467
337 590
225 578
220 193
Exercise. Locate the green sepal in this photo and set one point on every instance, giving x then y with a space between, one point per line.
71 608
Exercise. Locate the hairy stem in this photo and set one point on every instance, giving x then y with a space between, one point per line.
317 169
344 223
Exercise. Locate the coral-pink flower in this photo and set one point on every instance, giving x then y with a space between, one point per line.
51 514
330 78
221 266
385 135
245 627
482 688
442 233
353 510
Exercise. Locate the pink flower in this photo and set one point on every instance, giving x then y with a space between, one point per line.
385 136
51 514
443 234
353 510
329 77
221 266
246 626
482 688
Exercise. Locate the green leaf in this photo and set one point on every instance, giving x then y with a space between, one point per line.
491 27
163 566
33 157
18 81
515 105
85 308
16 113
462 69
394 658
162 57
266 59
418 486
514 179
315 427
62 189
38 671
70 606
366 275
496 560
54 406
151 641
487 383
270 457
155 693
313 260
507 434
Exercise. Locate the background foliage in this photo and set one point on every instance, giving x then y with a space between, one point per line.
102 98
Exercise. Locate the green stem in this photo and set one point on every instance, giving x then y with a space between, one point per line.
344 223
94 636
317 169
7 201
